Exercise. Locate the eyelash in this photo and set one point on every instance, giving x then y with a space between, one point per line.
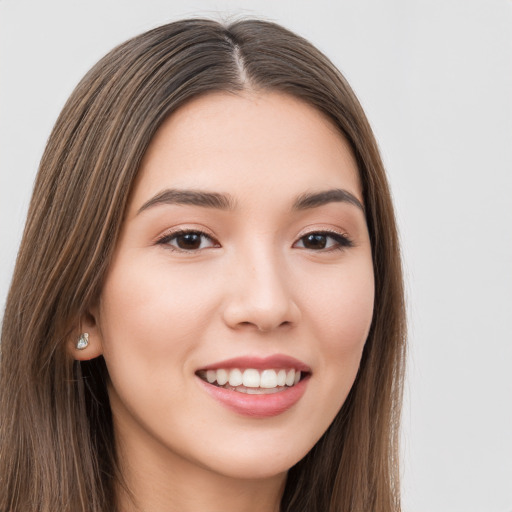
341 241
166 239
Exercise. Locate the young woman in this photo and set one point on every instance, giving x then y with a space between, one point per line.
207 307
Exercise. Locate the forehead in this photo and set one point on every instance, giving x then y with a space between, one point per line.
244 144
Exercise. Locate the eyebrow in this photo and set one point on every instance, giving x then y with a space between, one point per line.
191 197
316 199
225 202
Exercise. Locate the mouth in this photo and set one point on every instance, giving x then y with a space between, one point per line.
253 381
256 387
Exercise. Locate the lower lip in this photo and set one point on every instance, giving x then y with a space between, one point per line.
257 406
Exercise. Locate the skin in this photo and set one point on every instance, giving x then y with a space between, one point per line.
252 288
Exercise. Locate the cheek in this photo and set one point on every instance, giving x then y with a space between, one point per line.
149 317
343 309
151 321
341 316
347 318
338 312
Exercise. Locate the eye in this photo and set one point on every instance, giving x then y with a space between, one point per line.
188 240
323 241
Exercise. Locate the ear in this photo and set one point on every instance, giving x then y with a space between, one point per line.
86 341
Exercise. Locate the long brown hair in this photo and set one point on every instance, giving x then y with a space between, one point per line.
56 434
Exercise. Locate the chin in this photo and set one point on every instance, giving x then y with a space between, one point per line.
253 462
256 468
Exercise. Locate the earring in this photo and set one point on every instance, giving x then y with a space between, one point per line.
83 341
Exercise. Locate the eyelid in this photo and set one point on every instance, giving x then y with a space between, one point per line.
169 234
185 228
342 238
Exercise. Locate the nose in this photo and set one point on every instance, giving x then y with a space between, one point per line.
260 295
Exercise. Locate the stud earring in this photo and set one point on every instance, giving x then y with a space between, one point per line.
83 341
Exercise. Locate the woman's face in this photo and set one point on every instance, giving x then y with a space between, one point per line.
245 257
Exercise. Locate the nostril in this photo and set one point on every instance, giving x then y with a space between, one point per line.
264 326
260 313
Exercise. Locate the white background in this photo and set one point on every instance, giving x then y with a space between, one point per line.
435 78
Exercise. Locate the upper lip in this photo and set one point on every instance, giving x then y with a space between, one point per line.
277 361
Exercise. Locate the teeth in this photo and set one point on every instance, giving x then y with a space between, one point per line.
290 377
251 379
222 377
235 377
254 381
268 379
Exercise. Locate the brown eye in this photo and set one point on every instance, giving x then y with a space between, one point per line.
319 241
314 241
188 241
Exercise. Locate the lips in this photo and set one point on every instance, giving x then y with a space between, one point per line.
256 387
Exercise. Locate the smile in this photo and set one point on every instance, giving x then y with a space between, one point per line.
256 387
251 380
